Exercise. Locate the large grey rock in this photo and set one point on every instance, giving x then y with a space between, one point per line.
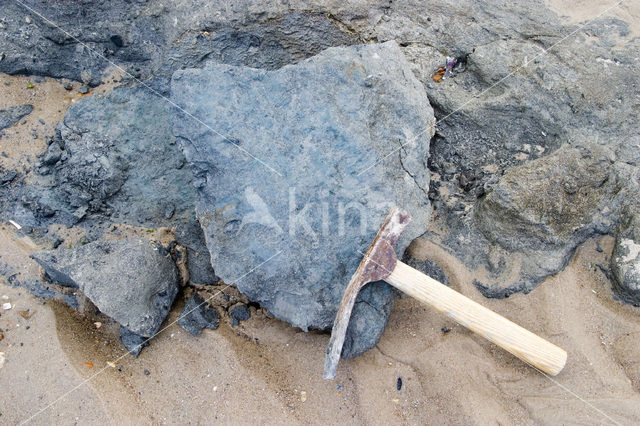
294 193
133 281
527 88
625 262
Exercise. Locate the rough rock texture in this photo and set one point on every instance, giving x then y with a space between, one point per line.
10 116
625 262
239 313
294 193
134 343
130 280
539 212
38 288
428 267
155 39
530 85
196 316
189 234
113 156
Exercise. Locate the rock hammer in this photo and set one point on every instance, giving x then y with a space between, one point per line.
380 263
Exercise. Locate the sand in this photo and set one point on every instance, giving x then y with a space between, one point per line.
264 371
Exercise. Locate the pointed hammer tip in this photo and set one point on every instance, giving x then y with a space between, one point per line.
329 369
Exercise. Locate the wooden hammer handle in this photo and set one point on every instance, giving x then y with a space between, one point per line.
522 343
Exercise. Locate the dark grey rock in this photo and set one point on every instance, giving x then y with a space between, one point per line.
9 117
134 343
128 280
428 267
37 287
189 234
83 90
196 316
113 157
239 313
289 230
153 40
625 262
7 177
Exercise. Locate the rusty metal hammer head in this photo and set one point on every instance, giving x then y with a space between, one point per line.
376 265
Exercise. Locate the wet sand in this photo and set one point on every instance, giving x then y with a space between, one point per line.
258 371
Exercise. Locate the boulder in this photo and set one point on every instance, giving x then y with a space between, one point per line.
133 281
296 170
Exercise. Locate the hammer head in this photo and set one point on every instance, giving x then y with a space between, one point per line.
376 265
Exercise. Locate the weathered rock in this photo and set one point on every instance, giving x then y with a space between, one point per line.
129 280
625 262
239 313
113 157
196 316
295 192
9 117
526 88
539 212
153 40
134 343
189 234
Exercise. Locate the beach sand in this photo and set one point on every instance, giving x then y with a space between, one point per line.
264 371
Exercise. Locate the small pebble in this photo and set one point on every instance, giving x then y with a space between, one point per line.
445 329
399 383
68 86
1 336
83 90
41 121
88 364
239 313
303 396
111 364
6 306
2 359
147 372
27 19
98 324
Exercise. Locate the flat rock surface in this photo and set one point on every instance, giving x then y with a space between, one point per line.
291 189
130 280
